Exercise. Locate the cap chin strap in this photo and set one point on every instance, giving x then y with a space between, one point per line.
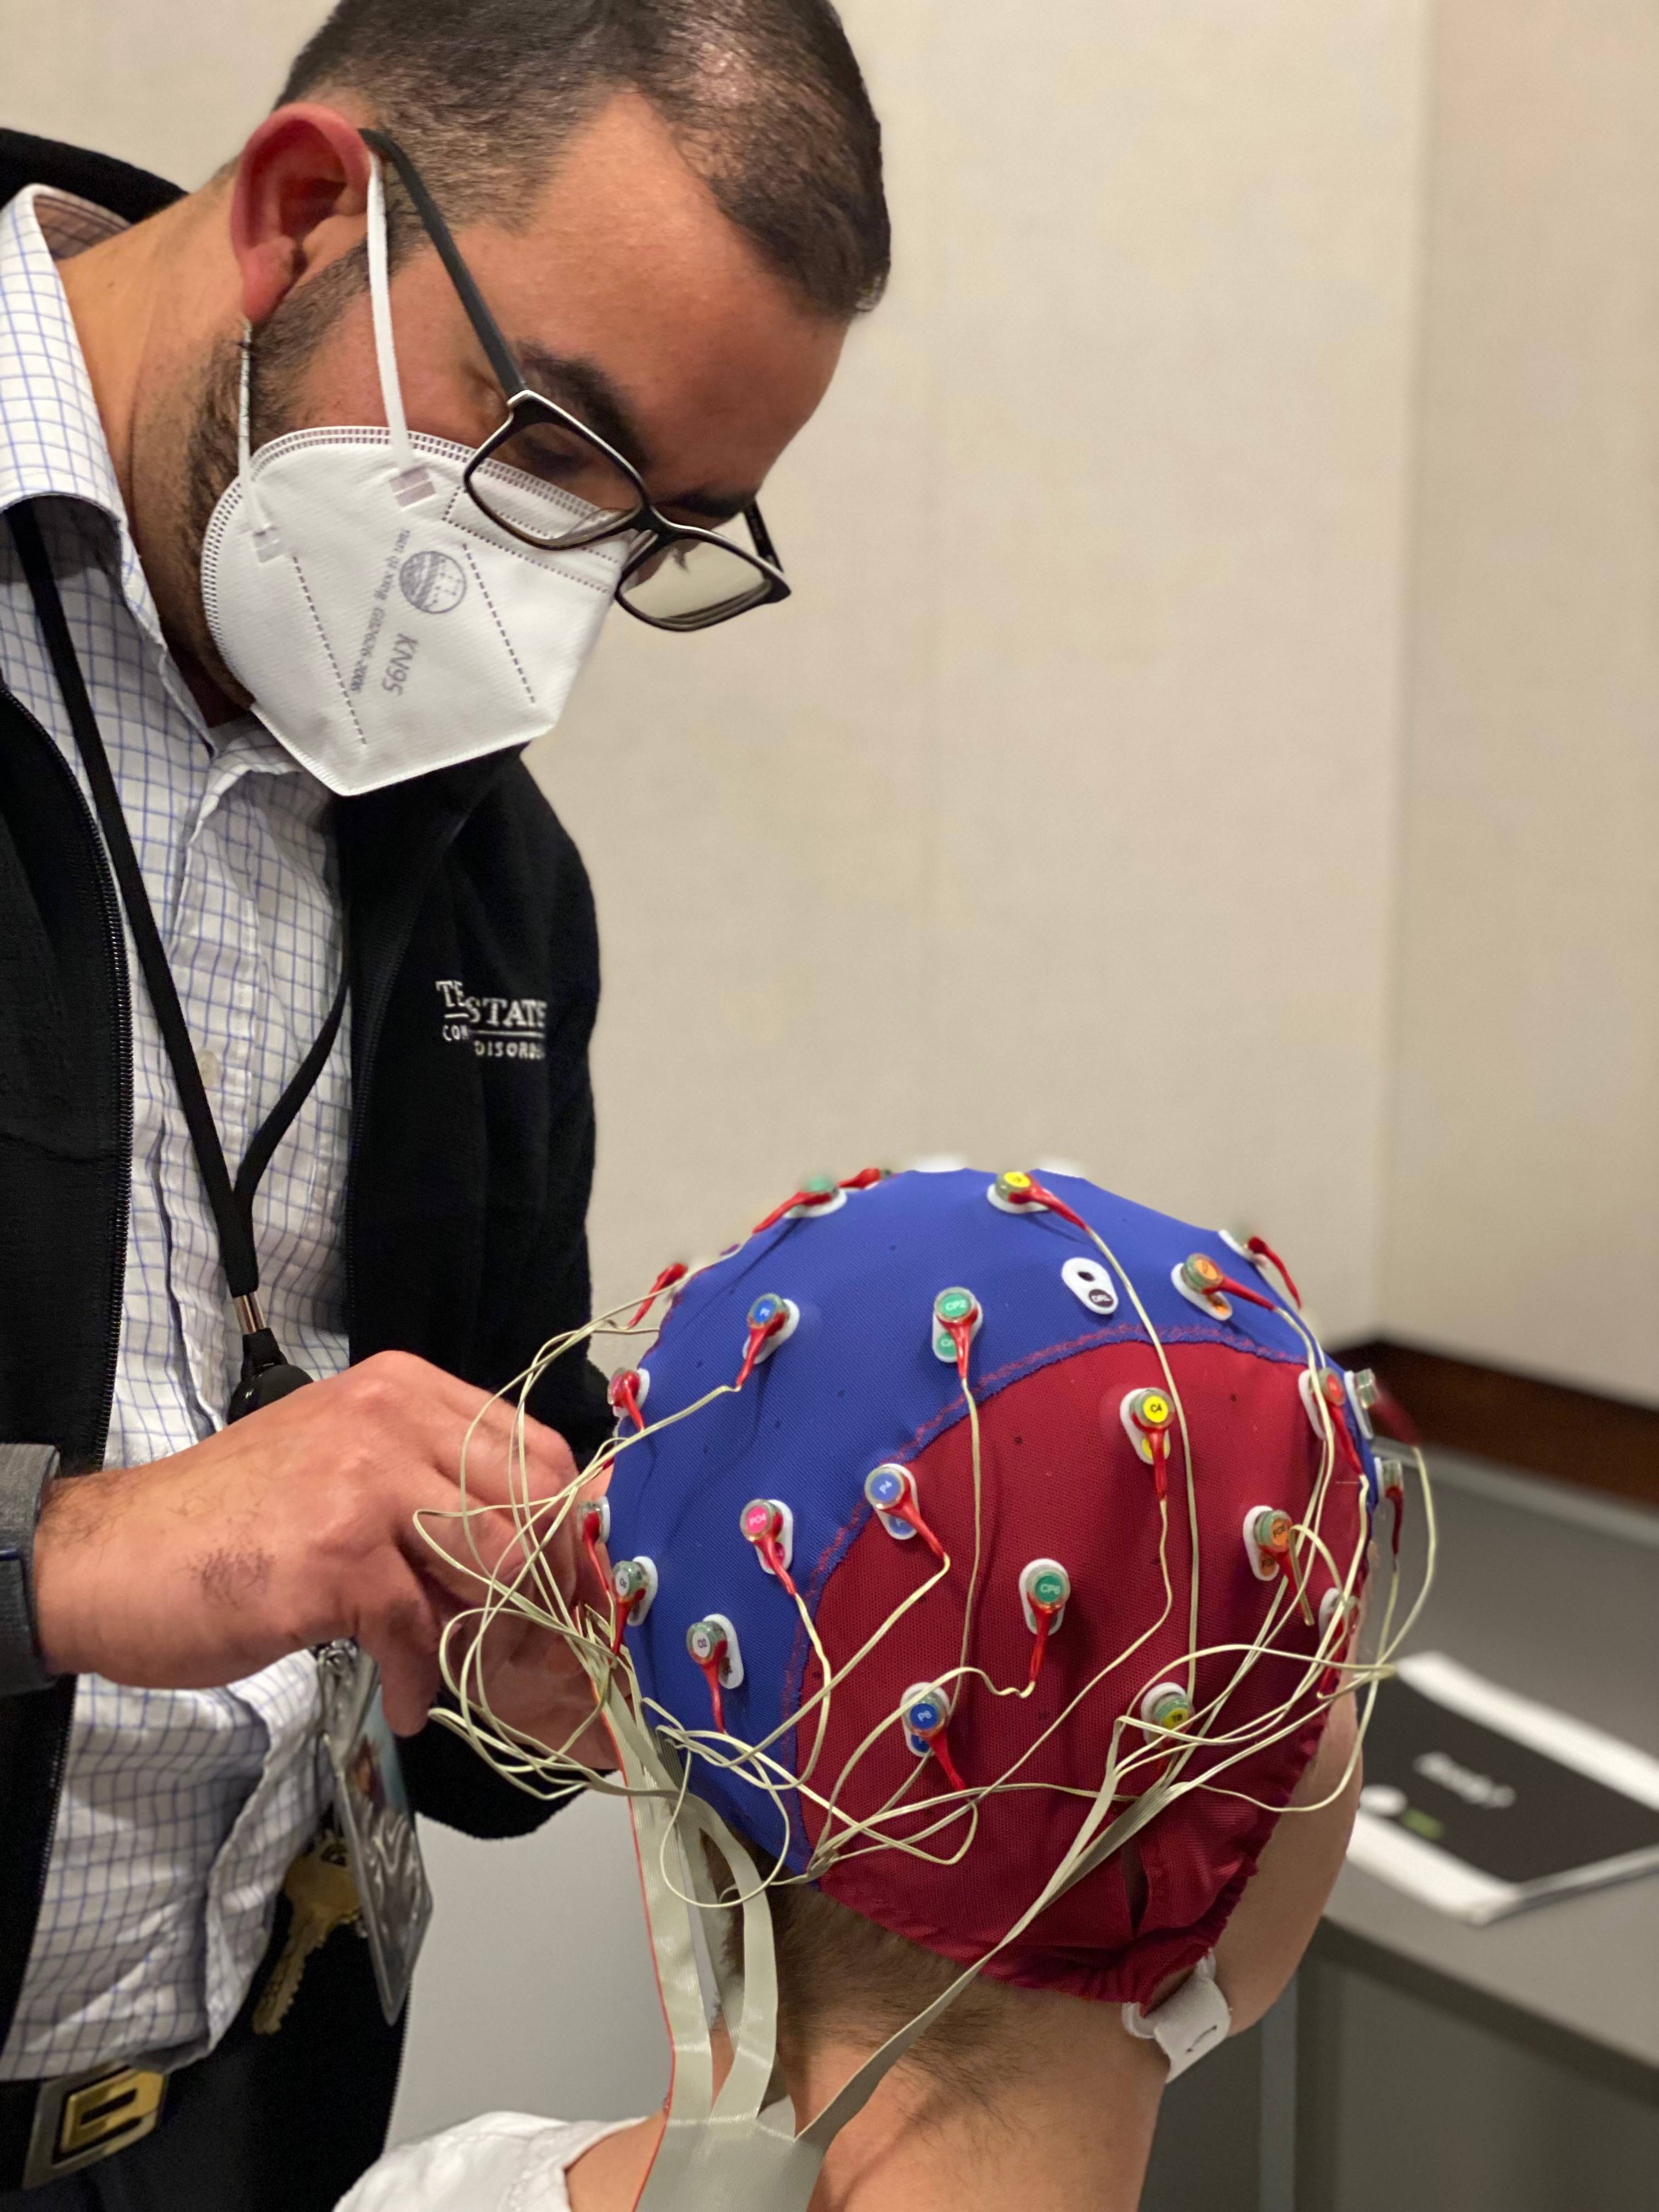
736 2153
1190 2022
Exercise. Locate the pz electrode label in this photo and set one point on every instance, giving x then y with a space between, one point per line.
495 1028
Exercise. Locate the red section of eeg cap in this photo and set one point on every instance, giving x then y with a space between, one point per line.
1058 1482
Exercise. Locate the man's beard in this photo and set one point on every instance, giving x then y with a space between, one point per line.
282 351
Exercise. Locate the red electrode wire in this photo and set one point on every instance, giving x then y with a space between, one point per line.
1396 1491
1264 1250
1157 1442
912 1512
1036 1193
666 1281
764 1538
1336 1399
711 1668
961 1334
591 1524
1046 1615
939 1744
624 1613
1232 1290
624 1396
773 1558
864 1180
759 1331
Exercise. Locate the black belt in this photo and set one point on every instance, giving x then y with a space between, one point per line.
50 2129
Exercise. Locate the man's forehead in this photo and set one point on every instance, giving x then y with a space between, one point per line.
627 291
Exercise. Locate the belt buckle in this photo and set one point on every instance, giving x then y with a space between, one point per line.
87 2117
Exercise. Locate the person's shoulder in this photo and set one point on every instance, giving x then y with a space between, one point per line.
502 2162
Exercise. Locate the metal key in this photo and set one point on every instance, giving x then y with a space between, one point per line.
324 1897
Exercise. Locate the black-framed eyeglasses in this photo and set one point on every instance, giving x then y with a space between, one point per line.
524 478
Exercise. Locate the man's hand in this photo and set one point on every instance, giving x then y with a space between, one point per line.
536 1685
292 1527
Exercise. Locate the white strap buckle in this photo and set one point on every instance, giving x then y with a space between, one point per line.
1189 2023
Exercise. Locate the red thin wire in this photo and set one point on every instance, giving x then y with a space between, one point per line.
623 1394
1039 1195
711 1668
961 1334
758 1333
1045 1620
675 1272
1397 1492
624 1614
912 1513
1158 1443
864 1180
590 1543
800 1198
1265 1250
1337 1407
772 1554
939 1745
1237 1291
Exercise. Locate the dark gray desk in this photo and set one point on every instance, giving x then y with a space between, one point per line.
1555 1594
1419 2065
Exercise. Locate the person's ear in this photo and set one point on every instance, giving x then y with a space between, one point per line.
301 190
1273 1922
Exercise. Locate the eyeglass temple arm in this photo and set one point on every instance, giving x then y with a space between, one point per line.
505 369
762 536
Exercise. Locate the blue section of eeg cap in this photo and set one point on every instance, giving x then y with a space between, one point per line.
857 1382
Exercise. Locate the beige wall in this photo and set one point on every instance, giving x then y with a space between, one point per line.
1522 1201
1054 815
173 85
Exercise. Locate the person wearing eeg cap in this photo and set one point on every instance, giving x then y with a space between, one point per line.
989 1556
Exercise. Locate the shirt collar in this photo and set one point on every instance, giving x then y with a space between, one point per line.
51 437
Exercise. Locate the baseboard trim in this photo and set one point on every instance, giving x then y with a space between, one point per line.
1576 1436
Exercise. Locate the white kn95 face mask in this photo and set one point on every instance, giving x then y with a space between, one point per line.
384 624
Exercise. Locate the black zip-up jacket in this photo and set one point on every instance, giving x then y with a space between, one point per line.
469 1159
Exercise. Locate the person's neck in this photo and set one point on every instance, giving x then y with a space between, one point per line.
143 304
1071 2134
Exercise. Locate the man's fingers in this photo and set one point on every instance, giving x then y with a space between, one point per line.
464 1551
507 1455
401 1631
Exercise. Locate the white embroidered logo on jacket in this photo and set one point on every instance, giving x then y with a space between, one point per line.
495 1028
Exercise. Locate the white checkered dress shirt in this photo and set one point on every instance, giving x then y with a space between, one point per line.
181 1810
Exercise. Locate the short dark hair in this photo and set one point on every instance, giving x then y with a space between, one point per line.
763 98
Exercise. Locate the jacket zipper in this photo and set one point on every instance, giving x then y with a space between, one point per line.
116 943
363 1052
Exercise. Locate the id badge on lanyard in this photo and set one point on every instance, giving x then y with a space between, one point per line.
371 1806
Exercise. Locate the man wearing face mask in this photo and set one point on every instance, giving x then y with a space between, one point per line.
315 488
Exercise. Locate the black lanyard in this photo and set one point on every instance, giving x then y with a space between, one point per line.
266 1375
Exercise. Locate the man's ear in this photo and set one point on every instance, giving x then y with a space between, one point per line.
302 193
